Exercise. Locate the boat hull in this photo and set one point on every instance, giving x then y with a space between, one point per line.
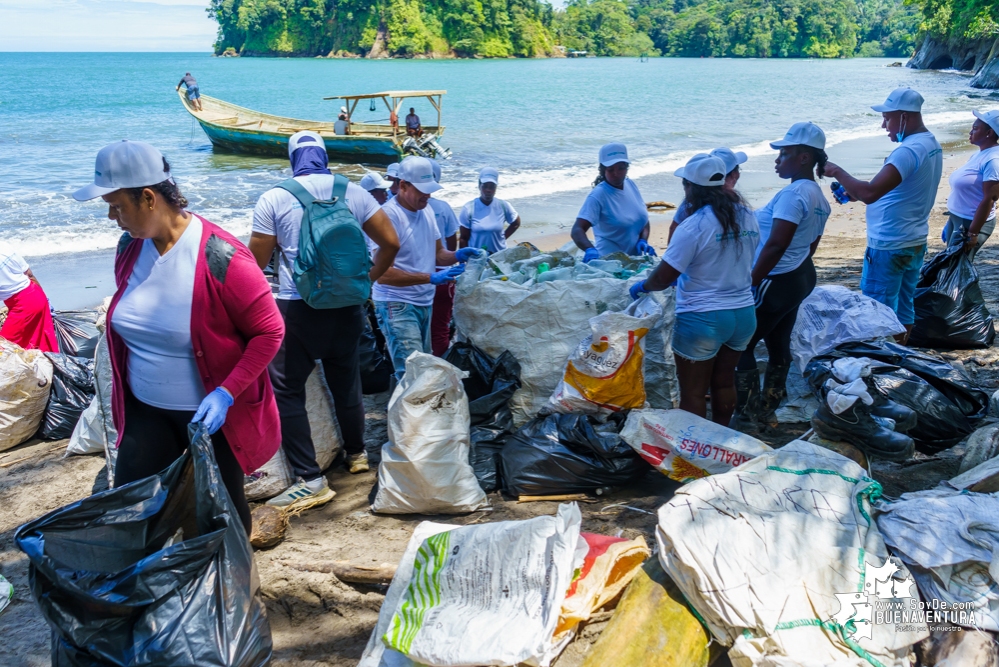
374 150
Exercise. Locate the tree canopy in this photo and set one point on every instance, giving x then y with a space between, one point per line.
532 28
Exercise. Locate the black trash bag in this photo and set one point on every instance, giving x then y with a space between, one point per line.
72 391
77 332
489 386
560 454
376 367
950 310
156 572
945 401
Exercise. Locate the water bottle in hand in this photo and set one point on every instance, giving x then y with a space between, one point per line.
839 193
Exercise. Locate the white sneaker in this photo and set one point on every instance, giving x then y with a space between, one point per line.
357 463
303 495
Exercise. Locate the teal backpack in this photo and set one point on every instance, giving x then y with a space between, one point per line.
331 270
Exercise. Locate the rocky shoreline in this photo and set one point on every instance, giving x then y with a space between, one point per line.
980 56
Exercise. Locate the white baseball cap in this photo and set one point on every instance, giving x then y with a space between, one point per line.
990 118
731 158
392 171
802 134
488 175
419 172
304 138
124 164
703 169
611 154
437 170
901 99
374 181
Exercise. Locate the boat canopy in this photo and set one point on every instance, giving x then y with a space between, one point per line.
393 100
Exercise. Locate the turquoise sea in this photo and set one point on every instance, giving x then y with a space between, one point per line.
540 122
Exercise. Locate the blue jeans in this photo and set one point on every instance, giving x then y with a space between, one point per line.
699 336
890 276
193 93
406 329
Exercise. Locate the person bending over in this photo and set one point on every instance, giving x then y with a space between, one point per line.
29 317
711 259
193 94
791 226
899 200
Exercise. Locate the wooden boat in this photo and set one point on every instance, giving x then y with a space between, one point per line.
240 130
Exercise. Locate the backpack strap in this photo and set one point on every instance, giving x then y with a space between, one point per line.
298 190
340 188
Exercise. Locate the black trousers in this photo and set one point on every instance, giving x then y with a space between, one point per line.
154 438
331 336
777 301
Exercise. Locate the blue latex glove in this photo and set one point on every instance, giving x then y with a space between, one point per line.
447 275
466 254
644 248
590 255
637 290
213 409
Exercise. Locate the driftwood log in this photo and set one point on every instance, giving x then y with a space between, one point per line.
346 571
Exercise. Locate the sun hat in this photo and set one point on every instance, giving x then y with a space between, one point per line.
611 154
703 169
304 138
901 99
732 159
392 172
803 134
374 181
124 164
488 175
419 172
990 118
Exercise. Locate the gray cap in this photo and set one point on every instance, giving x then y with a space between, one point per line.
124 164
901 99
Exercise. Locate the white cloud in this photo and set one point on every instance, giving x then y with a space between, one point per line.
105 25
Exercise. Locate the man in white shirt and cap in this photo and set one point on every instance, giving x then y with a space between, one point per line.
404 295
377 186
899 200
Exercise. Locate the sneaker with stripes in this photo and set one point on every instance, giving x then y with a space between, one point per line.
303 495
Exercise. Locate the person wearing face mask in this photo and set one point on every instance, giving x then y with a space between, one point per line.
974 188
191 328
487 222
614 210
732 160
791 226
899 200
404 295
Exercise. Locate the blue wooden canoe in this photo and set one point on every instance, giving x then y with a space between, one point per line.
240 130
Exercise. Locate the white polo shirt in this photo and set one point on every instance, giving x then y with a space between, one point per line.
901 218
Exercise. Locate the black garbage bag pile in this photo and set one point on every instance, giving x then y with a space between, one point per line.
157 572
72 391
376 367
946 401
566 453
489 386
950 309
77 332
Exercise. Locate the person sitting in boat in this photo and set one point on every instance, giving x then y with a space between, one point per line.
413 127
614 209
342 125
193 96
481 222
29 320
377 186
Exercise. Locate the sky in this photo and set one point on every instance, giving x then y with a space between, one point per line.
105 25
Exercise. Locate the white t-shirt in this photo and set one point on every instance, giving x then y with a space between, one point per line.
153 317
802 203
12 268
617 216
900 219
418 236
447 221
716 272
966 183
487 223
279 213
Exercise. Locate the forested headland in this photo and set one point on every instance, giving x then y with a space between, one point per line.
531 28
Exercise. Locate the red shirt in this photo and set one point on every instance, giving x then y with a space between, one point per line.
236 330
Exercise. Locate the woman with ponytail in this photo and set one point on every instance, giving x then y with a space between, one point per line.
711 259
791 226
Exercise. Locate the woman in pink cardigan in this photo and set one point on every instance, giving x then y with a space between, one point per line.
191 328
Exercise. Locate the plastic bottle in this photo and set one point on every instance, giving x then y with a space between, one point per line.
839 193
542 268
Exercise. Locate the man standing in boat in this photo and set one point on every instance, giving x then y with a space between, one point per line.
413 127
193 96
